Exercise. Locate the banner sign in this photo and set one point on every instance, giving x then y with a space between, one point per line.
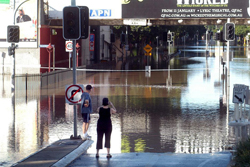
185 9
26 19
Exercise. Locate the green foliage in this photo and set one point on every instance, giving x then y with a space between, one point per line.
242 30
242 157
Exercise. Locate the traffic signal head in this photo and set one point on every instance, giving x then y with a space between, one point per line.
165 34
169 37
11 50
84 10
229 31
112 38
71 23
123 38
13 34
218 36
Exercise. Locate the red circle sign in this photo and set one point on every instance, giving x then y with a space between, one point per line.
67 44
70 99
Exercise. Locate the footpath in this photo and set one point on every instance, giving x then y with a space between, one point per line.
60 153
72 153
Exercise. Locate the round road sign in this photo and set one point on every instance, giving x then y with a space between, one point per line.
73 94
69 46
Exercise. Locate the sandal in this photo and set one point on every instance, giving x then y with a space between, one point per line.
109 156
97 155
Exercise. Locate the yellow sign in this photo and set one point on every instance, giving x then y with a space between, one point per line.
148 48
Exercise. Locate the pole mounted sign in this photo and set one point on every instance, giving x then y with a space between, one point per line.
240 93
148 48
185 9
73 94
68 46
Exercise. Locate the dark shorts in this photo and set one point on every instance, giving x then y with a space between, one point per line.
86 117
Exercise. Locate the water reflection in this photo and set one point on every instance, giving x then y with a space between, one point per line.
186 116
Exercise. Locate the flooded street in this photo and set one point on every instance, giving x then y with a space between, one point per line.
180 108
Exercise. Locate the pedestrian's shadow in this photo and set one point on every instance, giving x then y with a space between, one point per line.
103 162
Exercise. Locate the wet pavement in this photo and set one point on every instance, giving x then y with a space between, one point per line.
58 154
154 160
179 109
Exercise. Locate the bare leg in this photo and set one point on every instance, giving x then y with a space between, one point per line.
85 127
108 151
97 151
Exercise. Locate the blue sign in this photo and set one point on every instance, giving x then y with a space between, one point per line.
100 13
91 37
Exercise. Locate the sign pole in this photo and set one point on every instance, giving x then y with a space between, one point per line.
73 3
74 82
228 68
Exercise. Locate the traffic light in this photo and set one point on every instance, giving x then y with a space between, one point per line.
71 23
165 34
169 37
172 36
84 10
11 50
217 36
222 38
123 38
112 38
229 31
13 34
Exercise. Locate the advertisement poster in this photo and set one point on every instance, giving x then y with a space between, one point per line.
185 9
25 18
98 9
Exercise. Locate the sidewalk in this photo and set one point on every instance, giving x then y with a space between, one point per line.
220 159
72 153
59 154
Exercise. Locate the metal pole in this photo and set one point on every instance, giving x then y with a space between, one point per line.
49 60
73 3
74 83
69 58
54 49
228 69
14 71
126 41
206 39
157 51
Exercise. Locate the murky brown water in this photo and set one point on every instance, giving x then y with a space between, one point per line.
178 111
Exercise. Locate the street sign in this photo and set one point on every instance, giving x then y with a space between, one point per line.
92 42
148 48
69 46
73 94
240 92
135 22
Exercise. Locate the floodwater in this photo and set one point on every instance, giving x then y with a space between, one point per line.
180 108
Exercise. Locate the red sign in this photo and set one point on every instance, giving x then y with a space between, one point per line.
91 42
73 93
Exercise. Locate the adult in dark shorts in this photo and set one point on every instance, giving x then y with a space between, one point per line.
86 109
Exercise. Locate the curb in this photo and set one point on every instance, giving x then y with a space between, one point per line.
65 161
